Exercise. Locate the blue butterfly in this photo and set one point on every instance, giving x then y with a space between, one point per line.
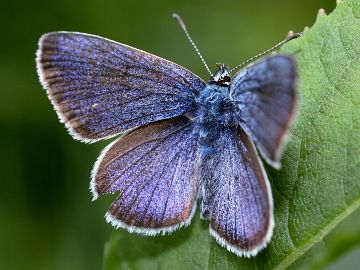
182 140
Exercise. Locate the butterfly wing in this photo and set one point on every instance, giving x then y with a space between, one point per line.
265 94
100 88
155 169
236 195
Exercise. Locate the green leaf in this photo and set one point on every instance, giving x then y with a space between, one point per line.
318 186
336 249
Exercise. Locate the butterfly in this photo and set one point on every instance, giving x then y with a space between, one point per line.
180 140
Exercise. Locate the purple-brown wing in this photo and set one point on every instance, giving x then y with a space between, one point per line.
155 169
100 88
236 195
265 94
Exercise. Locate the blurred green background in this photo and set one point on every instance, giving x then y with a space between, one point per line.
47 218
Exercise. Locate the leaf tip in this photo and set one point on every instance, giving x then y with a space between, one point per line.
321 12
306 28
338 2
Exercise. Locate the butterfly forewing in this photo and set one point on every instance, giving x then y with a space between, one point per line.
236 195
155 169
100 88
265 97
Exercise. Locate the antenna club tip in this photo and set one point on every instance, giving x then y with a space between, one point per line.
292 35
180 21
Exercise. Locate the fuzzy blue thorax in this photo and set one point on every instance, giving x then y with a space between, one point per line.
214 103
215 108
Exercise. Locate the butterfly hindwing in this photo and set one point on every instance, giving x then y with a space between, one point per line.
236 195
100 88
155 169
265 94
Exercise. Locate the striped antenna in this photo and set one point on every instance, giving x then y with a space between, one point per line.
293 36
182 25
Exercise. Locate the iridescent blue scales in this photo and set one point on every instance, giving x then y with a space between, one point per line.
101 88
183 141
156 171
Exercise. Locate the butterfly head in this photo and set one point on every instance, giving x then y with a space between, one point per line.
222 76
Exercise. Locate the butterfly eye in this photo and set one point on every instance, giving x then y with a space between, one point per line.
227 79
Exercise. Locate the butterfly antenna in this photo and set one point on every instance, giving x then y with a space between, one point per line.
182 25
293 36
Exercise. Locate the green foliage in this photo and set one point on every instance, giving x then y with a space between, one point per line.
317 188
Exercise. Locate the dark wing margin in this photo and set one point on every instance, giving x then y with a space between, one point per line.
236 194
100 88
266 97
156 170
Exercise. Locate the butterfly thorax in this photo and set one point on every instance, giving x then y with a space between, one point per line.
215 109
215 106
